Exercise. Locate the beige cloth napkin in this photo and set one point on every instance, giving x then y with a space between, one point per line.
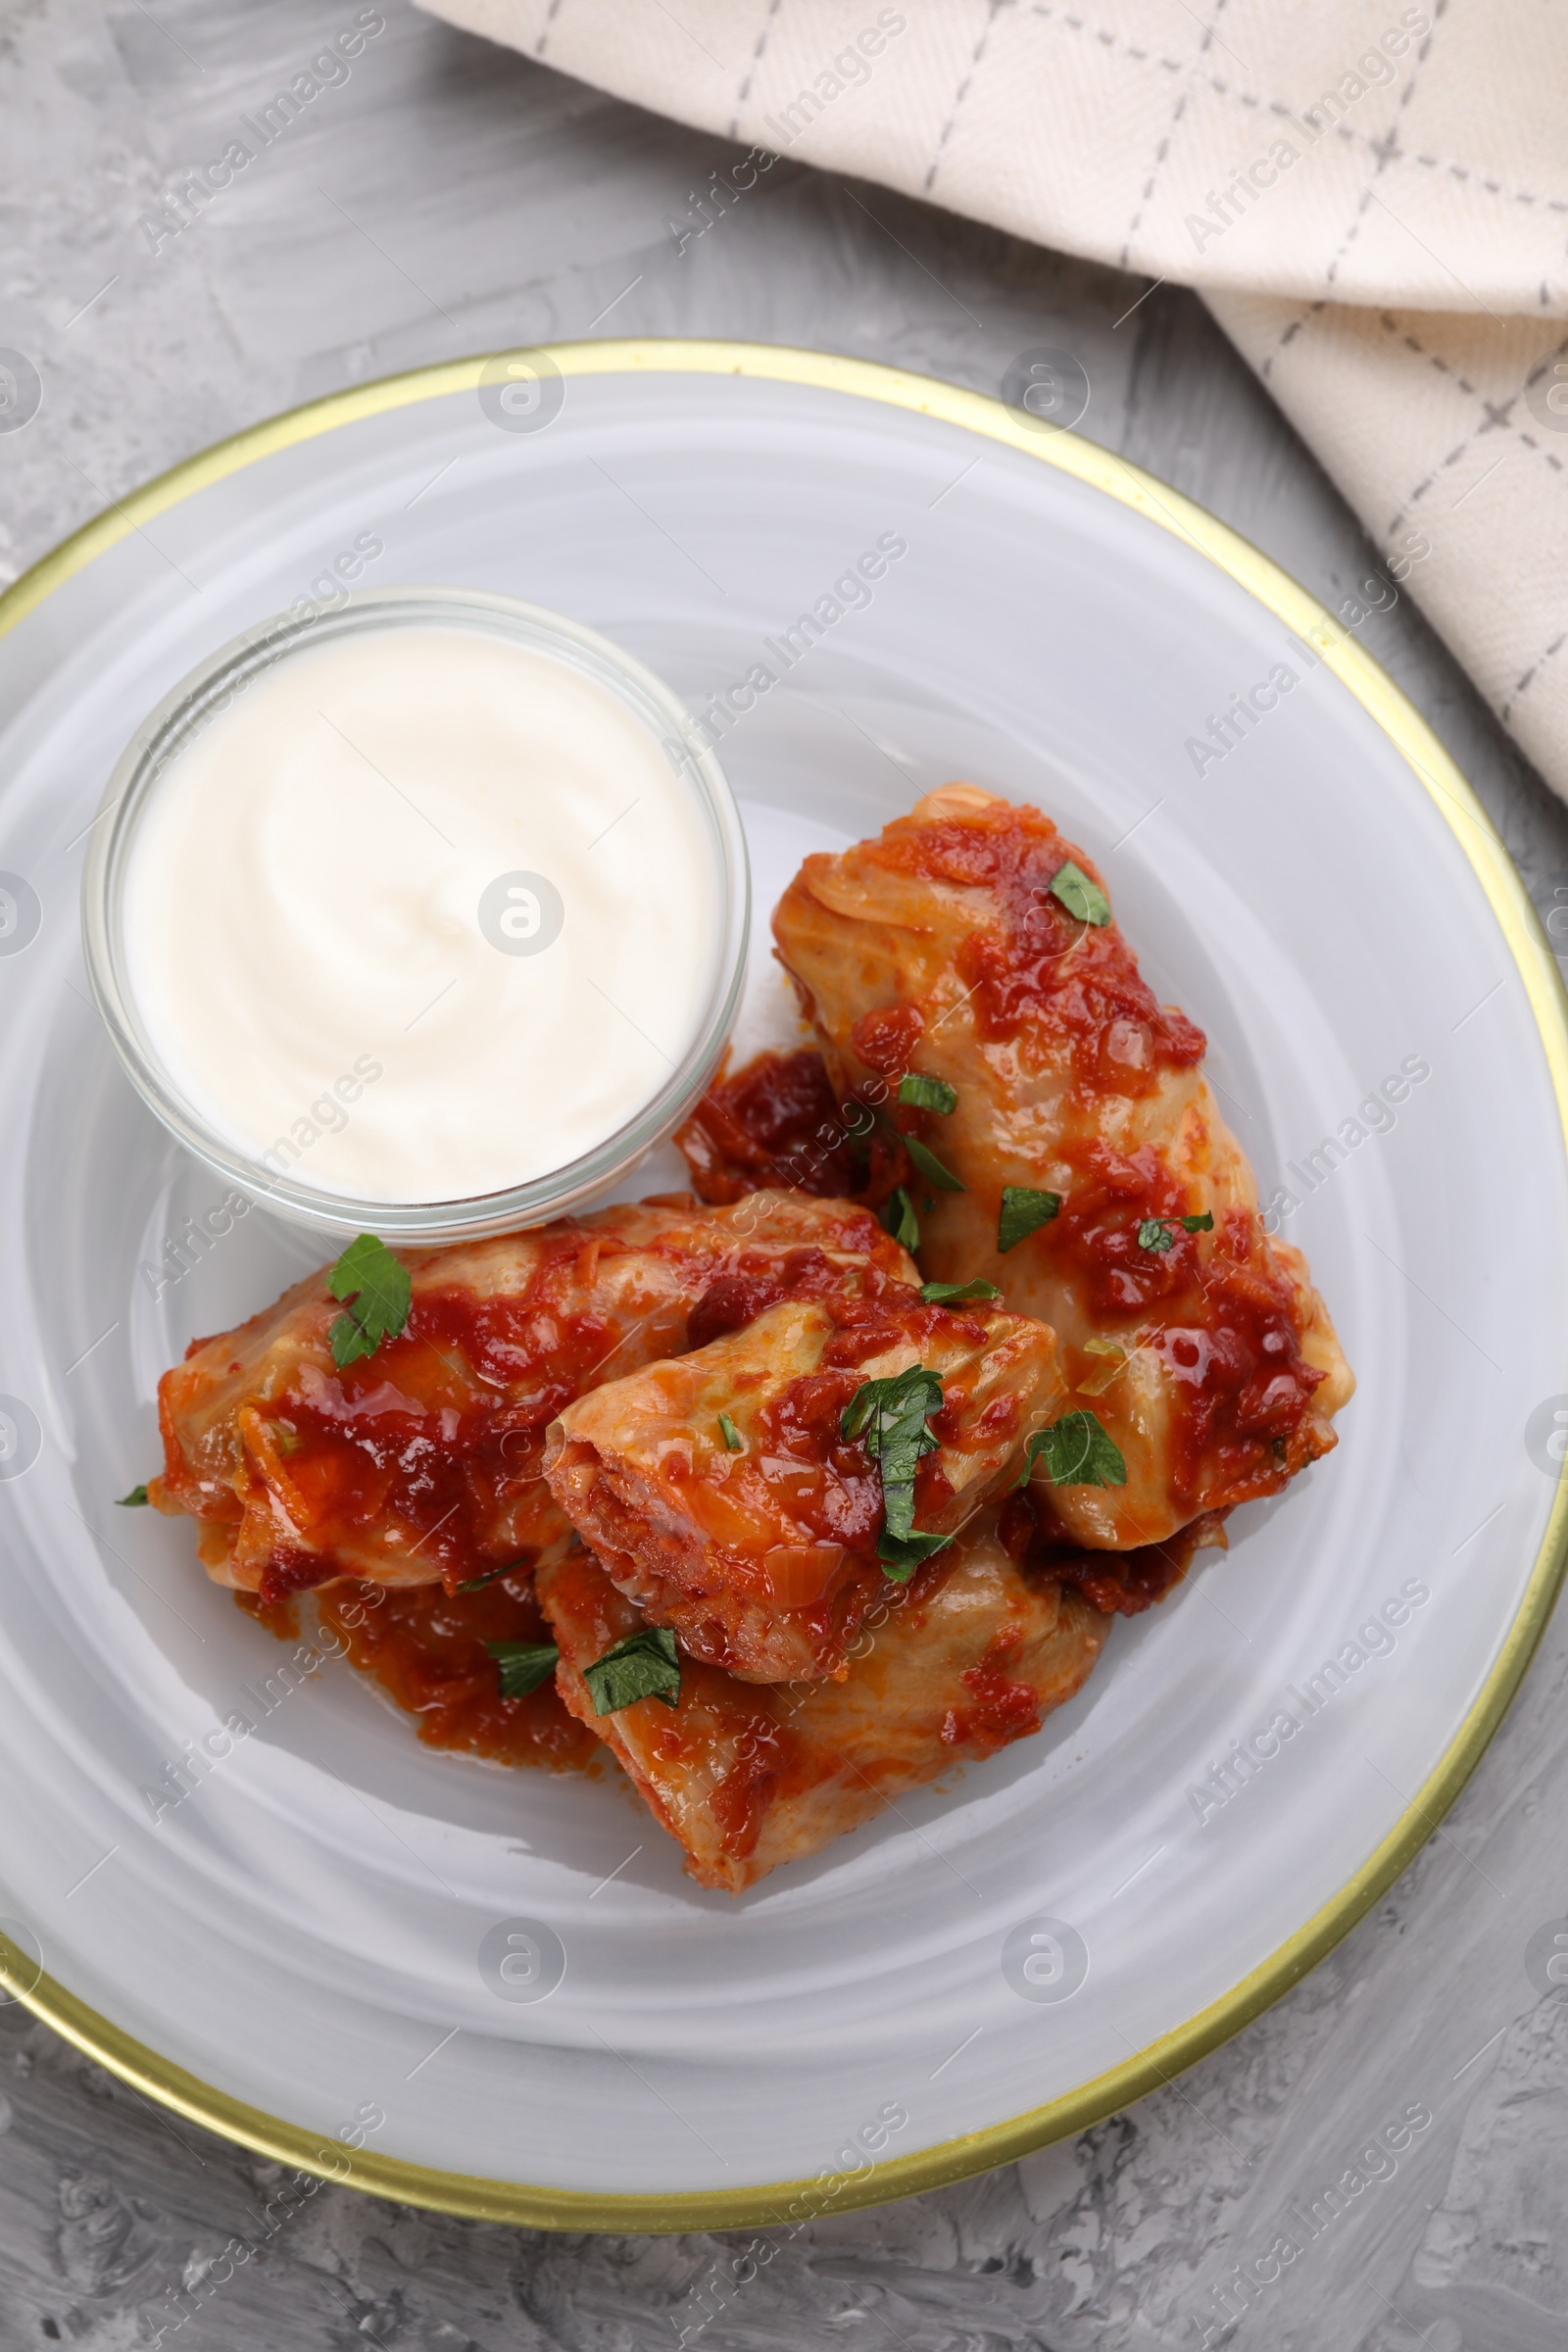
1372 198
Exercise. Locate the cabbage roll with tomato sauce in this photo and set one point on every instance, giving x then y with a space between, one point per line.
422 1462
964 1659
733 1499
970 944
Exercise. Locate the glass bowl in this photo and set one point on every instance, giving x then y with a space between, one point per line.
211 690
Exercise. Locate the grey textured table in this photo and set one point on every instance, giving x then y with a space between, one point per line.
449 198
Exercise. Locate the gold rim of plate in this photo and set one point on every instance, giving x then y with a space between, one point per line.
770 2203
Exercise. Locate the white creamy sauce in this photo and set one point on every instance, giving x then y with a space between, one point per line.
329 889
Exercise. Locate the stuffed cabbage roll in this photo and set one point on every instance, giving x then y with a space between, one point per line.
965 972
422 1462
754 1496
965 1658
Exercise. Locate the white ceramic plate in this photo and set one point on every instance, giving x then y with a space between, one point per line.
312 1935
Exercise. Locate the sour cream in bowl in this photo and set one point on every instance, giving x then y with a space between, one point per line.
426 916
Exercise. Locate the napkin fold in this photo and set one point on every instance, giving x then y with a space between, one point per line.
1372 199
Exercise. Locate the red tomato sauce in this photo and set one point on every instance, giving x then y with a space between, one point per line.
1043 970
829 1484
776 1121
390 1463
732 1301
427 1649
830 1488
1213 1307
1119 1584
437 1431
1000 1709
442 1430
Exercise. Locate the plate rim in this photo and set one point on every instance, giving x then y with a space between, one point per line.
773 2204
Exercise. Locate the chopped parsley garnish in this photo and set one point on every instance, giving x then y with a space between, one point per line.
137 1495
1076 1453
900 1219
889 1417
949 1294
734 1442
921 1092
891 1414
376 1291
901 1555
478 1584
1022 1213
646 1665
931 1168
924 1159
523 1665
1081 897
1159 1233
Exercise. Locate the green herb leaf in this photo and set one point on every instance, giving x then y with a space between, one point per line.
901 1555
376 1289
523 1665
902 1547
734 1442
137 1495
1159 1233
889 1417
900 1219
898 1504
893 1412
931 1167
927 1094
478 1584
1077 1452
924 1159
646 1665
896 1437
1081 897
1022 1211
947 1293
